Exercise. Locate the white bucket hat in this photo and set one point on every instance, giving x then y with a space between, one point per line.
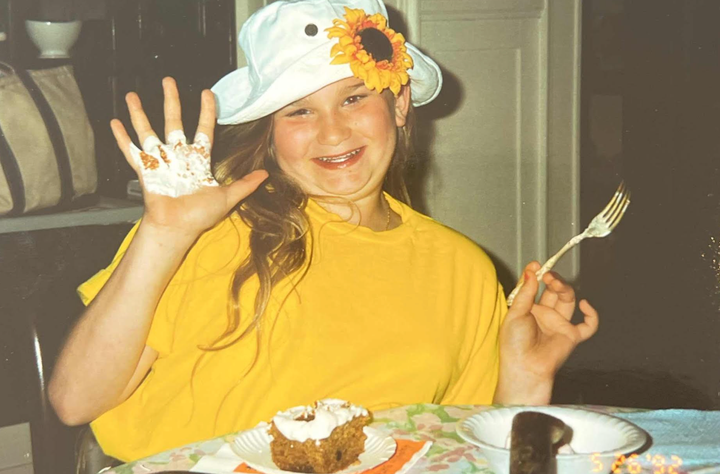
289 57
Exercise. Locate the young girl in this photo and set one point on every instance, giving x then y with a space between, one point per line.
301 273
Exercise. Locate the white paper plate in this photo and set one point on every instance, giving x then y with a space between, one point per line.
253 447
597 438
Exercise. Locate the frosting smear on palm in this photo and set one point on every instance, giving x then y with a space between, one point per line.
176 168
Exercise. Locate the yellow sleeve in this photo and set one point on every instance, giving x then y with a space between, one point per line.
89 290
160 335
478 379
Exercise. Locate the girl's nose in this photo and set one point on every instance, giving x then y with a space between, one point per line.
334 130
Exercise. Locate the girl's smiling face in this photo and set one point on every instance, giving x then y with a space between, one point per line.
340 140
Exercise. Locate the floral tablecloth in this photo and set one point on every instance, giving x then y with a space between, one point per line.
448 454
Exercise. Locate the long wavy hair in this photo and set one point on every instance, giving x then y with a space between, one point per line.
275 213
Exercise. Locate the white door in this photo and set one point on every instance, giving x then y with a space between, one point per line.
503 154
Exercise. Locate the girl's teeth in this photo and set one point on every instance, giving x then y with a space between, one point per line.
340 158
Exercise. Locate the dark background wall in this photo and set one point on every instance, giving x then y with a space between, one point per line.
651 116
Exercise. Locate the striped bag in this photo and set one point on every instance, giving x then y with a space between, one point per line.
47 148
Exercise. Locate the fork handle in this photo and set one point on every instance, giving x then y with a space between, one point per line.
548 265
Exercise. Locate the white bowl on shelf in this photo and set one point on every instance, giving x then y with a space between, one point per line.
597 439
53 38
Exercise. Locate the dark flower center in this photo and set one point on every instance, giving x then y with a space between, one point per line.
376 44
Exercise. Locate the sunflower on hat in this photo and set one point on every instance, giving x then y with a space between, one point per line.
376 53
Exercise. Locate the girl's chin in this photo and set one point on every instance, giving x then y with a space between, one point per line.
351 192
347 190
341 193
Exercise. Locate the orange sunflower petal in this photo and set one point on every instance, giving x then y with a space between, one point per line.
341 59
336 32
346 40
350 49
378 20
395 86
336 49
407 60
374 80
359 71
353 15
363 56
385 77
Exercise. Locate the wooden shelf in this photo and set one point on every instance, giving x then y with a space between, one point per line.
108 211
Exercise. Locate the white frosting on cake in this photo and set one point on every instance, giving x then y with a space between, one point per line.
328 415
174 170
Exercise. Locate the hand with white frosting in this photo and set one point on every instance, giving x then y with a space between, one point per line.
179 190
177 168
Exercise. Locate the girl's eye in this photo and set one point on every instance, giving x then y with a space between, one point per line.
354 99
299 113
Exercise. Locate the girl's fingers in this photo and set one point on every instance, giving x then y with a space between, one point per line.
546 319
139 120
123 140
242 188
558 295
206 124
592 320
525 298
533 267
549 297
551 322
172 107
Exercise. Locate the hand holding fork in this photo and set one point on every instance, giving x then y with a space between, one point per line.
601 226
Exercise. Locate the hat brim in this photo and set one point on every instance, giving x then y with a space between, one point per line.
236 102
425 77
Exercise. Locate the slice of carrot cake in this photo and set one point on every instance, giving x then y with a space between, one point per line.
323 438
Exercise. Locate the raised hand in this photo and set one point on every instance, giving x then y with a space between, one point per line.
179 191
537 338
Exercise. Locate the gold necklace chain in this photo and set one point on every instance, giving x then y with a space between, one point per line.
387 223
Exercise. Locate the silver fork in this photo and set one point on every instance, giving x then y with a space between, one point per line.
600 226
